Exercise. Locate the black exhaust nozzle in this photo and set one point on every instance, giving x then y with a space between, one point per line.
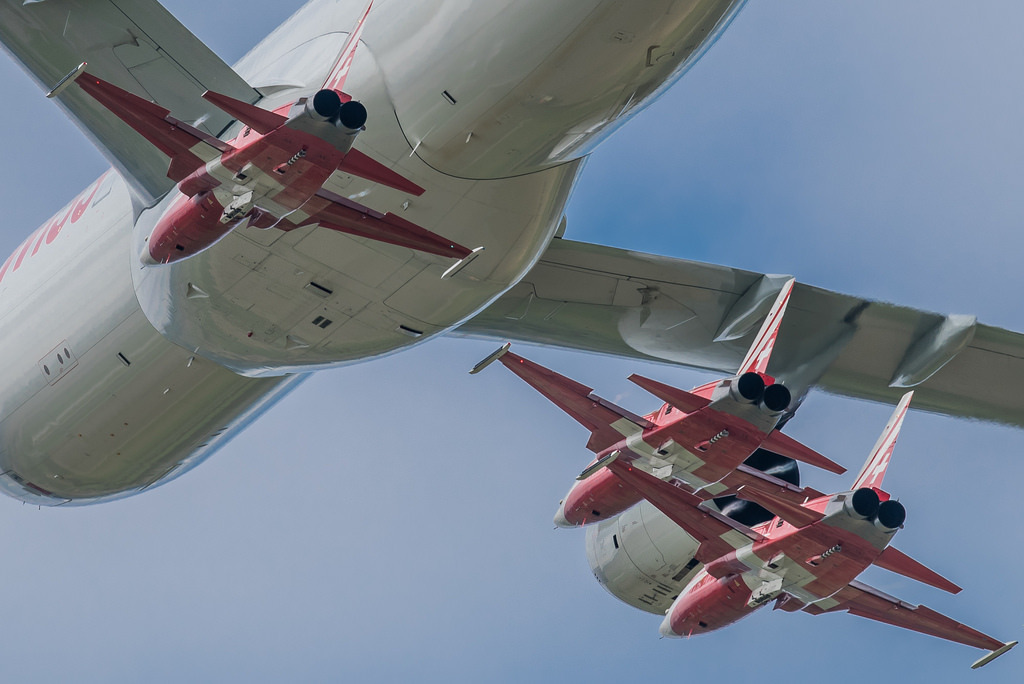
325 105
776 398
352 115
864 503
891 514
750 386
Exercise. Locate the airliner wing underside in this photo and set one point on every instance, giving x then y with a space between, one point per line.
134 44
625 303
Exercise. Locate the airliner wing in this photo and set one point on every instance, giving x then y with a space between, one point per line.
636 305
134 44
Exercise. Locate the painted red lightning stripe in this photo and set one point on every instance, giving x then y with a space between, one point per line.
874 470
761 351
336 81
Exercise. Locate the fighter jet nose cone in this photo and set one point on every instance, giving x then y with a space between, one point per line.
666 628
560 519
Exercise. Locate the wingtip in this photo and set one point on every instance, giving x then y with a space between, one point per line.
491 358
992 655
63 83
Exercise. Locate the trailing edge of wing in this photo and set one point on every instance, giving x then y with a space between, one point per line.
894 560
343 215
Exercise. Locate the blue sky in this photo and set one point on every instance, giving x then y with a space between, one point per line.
392 521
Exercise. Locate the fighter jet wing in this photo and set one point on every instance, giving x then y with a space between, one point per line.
718 535
136 45
624 303
860 599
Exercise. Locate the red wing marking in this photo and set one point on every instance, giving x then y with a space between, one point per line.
873 472
760 352
336 80
576 399
896 561
860 599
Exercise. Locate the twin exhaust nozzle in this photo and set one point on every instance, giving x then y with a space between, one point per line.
326 105
750 388
864 503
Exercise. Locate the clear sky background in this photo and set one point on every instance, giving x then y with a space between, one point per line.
392 521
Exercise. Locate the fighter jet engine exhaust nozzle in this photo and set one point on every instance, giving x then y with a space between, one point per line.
775 398
324 106
749 388
891 515
863 503
351 116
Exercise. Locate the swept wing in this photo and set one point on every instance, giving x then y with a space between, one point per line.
860 599
625 303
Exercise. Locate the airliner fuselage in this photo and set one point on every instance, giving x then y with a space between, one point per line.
120 374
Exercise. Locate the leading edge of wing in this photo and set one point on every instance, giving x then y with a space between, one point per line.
630 304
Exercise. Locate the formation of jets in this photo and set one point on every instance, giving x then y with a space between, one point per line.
329 200
808 550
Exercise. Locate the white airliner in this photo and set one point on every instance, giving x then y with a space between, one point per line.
236 247
166 361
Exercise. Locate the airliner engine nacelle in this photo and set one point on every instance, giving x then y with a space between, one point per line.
642 558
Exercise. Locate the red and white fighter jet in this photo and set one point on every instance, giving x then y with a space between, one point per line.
701 438
807 558
271 175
